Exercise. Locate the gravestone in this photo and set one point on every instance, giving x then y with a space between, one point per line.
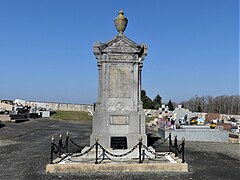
119 120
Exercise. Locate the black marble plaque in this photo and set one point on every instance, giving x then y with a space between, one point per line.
119 142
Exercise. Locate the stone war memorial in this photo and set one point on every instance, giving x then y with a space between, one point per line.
118 142
119 120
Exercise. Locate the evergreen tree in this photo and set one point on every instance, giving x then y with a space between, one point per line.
157 102
147 102
170 106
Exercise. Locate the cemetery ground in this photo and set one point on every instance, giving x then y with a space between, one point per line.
25 152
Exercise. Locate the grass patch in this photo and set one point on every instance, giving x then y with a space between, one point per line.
71 115
79 116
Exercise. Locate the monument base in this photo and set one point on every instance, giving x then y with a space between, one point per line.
126 126
167 163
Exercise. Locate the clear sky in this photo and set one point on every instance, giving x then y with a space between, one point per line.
46 47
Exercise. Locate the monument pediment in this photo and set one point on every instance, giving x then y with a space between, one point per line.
115 48
119 44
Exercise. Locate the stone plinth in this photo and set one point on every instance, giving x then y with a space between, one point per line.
120 167
167 163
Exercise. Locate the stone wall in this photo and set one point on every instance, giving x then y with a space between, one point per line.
62 106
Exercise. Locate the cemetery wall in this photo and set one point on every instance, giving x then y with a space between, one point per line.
62 106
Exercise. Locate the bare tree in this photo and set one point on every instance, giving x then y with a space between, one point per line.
220 104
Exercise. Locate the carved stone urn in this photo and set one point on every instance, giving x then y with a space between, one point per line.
121 22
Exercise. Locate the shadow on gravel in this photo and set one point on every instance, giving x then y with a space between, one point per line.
1 125
151 139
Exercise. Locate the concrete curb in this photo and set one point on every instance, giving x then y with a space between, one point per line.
147 167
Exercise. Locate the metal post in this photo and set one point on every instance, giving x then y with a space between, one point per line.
170 142
143 153
103 154
175 146
183 144
96 146
60 146
67 138
140 149
52 148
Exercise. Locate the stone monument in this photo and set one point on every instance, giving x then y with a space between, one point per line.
119 120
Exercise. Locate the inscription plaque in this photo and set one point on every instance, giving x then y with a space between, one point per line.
120 57
120 79
119 120
119 142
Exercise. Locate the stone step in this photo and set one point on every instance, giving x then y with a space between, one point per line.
170 163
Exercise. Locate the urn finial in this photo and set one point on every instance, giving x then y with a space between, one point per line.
121 22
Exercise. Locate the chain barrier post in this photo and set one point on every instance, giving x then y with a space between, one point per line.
183 144
170 142
96 146
143 153
140 149
67 139
175 146
52 148
60 146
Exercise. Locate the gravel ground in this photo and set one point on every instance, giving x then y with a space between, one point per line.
25 152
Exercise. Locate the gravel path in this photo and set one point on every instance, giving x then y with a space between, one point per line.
25 152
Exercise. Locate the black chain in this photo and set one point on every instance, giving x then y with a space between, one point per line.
65 146
55 148
108 158
118 155
78 155
87 151
106 152
164 140
179 148
75 143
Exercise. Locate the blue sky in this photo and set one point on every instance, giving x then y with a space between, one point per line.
46 47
